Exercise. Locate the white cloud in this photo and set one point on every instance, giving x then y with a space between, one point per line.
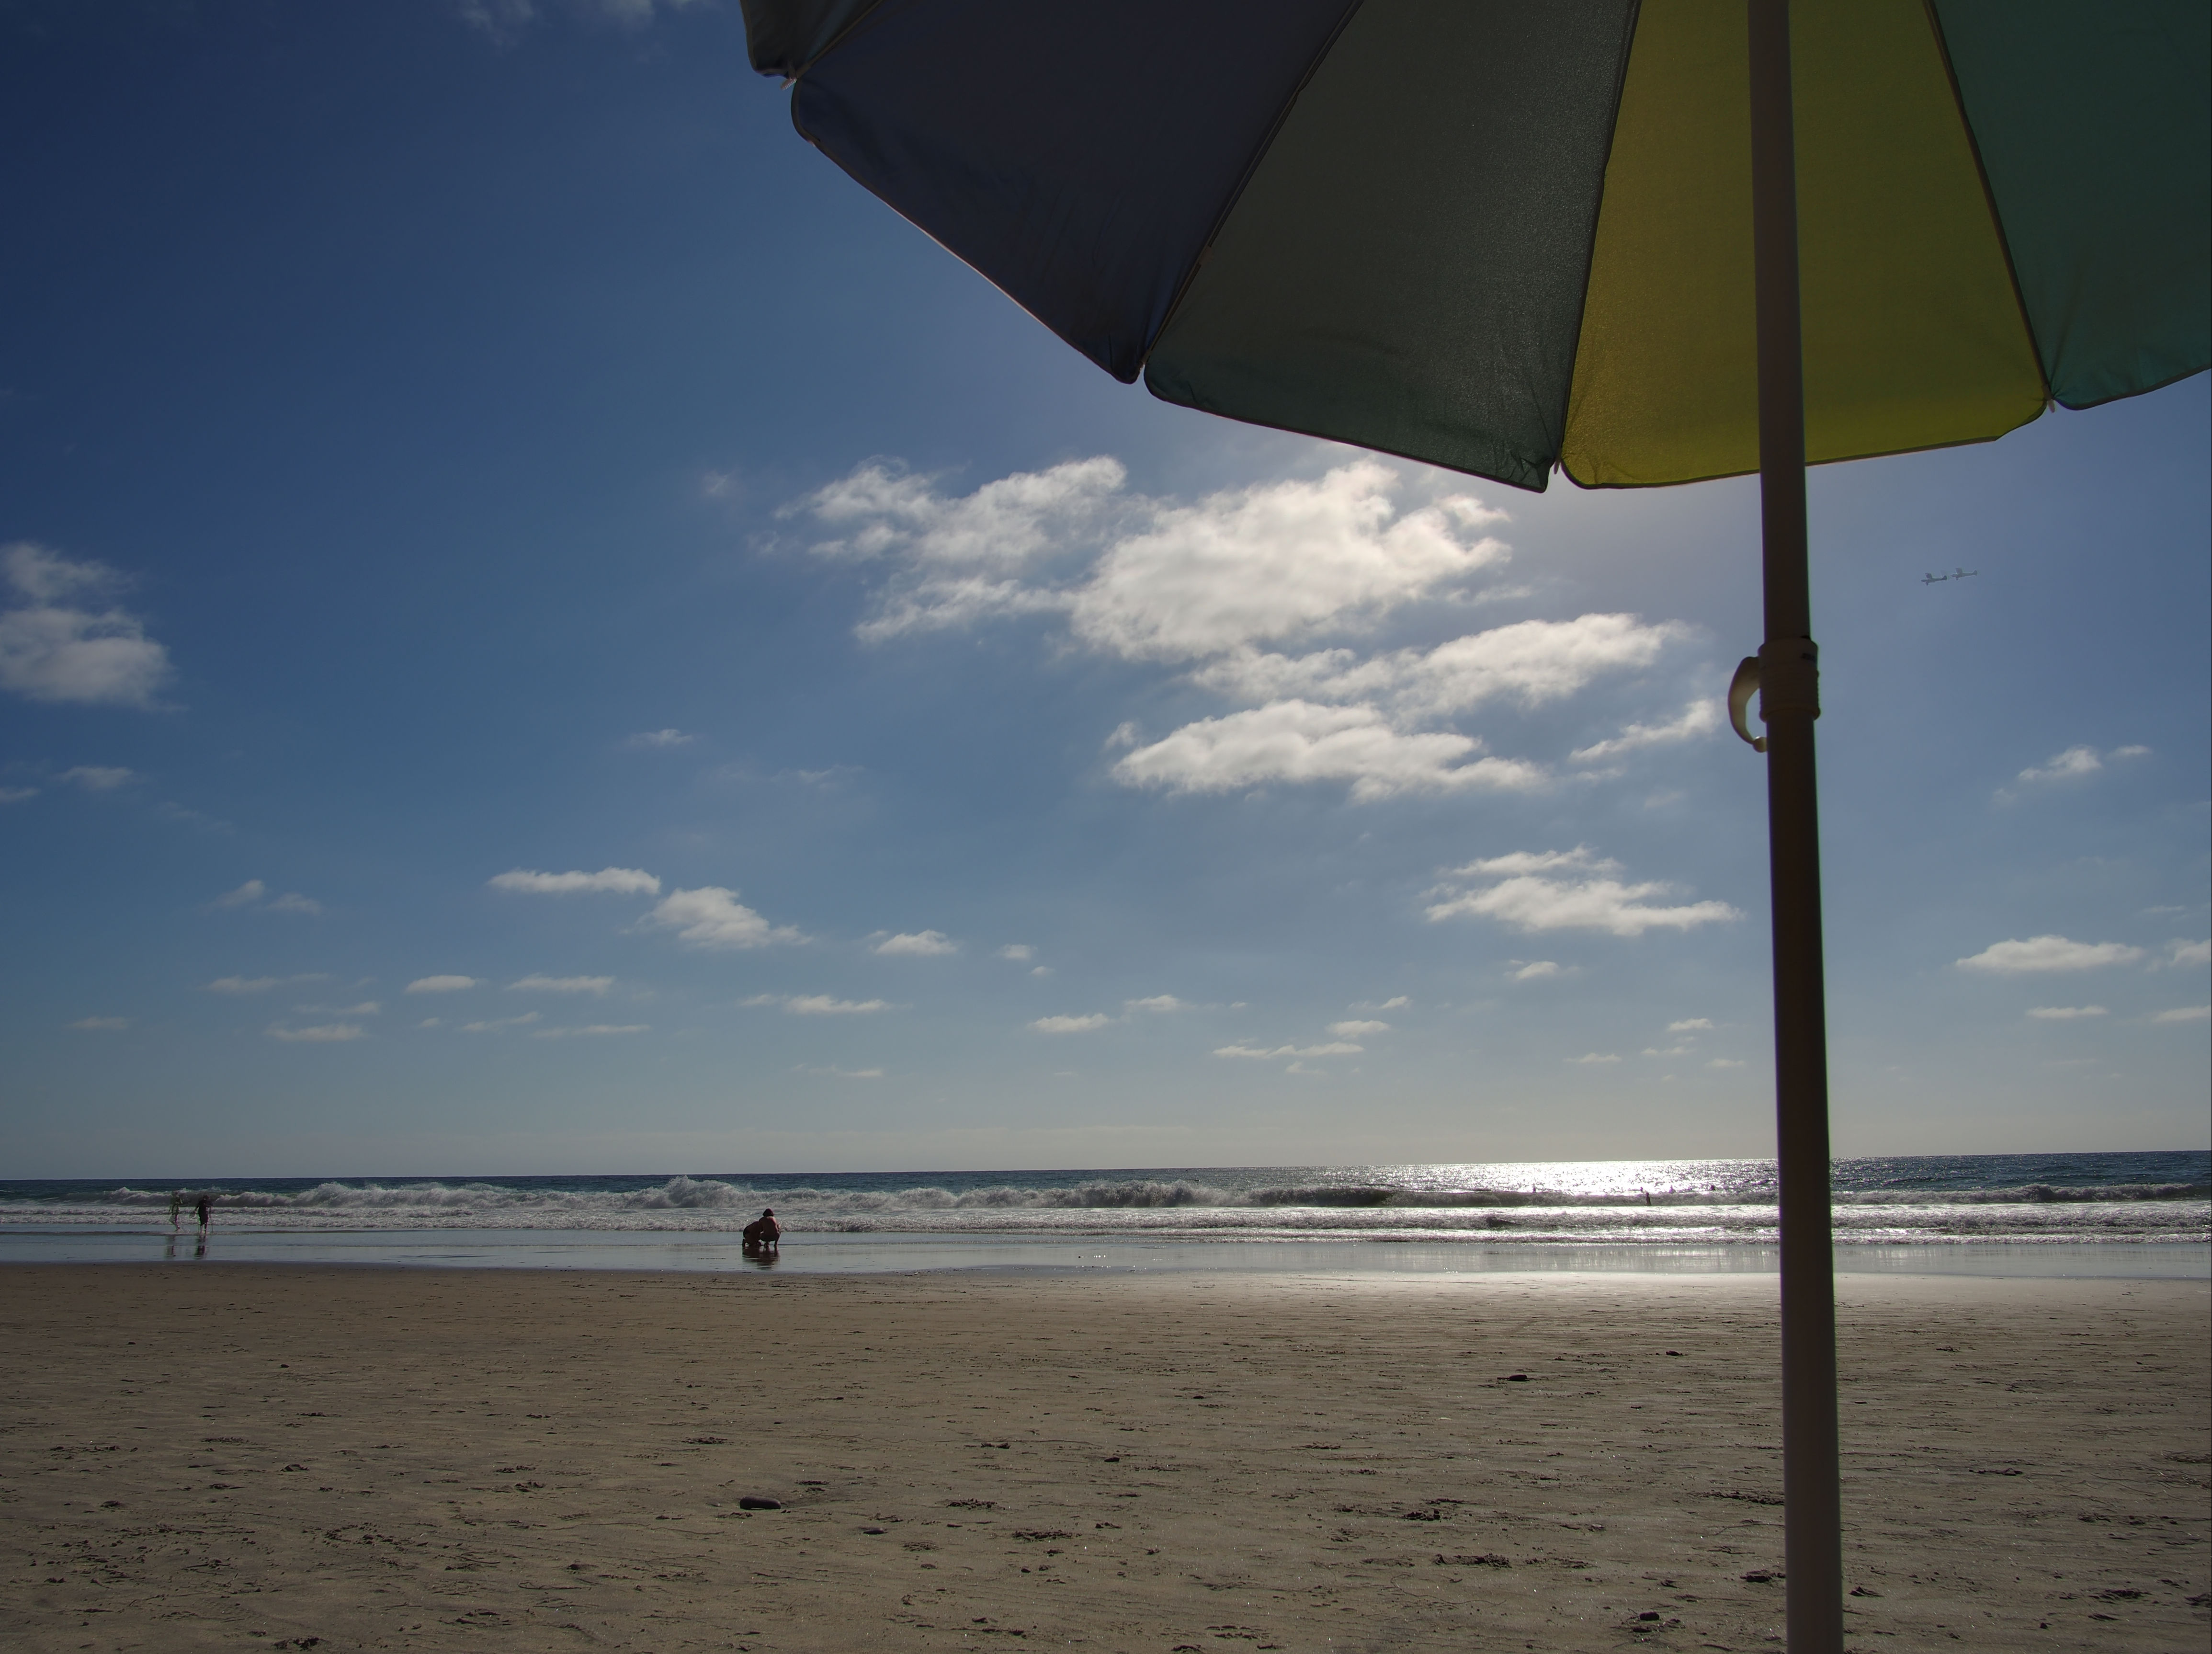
1160 1002
1698 718
17 794
1397 1001
503 21
1357 1028
921 944
536 984
660 738
500 1025
1017 951
2065 1012
1691 1025
1299 741
1588 1057
52 652
101 1025
442 984
1086 1025
1147 578
1569 890
592 1031
711 917
1670 1051
1530 662
1536 970
2076 763
258 984
2017 957
1040 970
818 1005
324 1033
1336 1048
1278 560
100 777
618 881
255 894
1724 1062
836 1073
2190 954
2184 1013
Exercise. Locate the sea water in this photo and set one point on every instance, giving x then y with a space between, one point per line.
2066 1213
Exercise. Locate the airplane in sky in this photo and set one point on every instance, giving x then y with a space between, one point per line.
1933 579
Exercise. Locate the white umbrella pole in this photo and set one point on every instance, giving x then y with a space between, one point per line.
1789 702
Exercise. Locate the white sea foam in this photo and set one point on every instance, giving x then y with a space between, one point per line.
1608 1209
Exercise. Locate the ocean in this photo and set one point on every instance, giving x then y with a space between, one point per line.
1958 1210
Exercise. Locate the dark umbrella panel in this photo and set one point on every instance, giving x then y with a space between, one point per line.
1643 245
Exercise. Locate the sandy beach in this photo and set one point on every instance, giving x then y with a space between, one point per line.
244 1456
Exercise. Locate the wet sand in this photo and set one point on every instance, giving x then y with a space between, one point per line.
241 1457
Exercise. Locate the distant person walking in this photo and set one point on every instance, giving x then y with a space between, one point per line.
204 1206
176 1208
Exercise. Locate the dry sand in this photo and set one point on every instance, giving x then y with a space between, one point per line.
246 1456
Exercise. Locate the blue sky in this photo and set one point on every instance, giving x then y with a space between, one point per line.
543 629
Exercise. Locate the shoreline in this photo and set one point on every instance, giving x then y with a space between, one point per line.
380 1458
893 1252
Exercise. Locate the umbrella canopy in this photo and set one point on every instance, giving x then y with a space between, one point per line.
1501 237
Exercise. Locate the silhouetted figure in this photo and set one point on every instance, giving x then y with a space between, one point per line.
763 1235
176 1208
204 1206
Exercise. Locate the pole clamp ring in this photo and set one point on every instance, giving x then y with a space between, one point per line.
1785 676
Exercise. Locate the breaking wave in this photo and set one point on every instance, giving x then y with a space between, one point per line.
1975 1200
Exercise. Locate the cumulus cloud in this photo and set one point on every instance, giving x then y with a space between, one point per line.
615 881
1264 1054
100 777
1567 889
504 21
536 984
501 1025
253 894
2184 1013
1724 1062
258 984
2188 953
1530 662
1160 1002
1278 560
1691 1025
818 1005
1357 1028
321 1033
713 919
1297 741
101 1025
1535 970
920 944
592 1031
1020 951
2076 763
1085 1024
1588 1058
660 738
1229 586
2065 1012
2034 953
1699 718
51 649
442 984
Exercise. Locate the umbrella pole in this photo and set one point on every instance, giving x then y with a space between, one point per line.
1789 702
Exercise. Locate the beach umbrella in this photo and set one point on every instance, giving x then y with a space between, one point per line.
1637 244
